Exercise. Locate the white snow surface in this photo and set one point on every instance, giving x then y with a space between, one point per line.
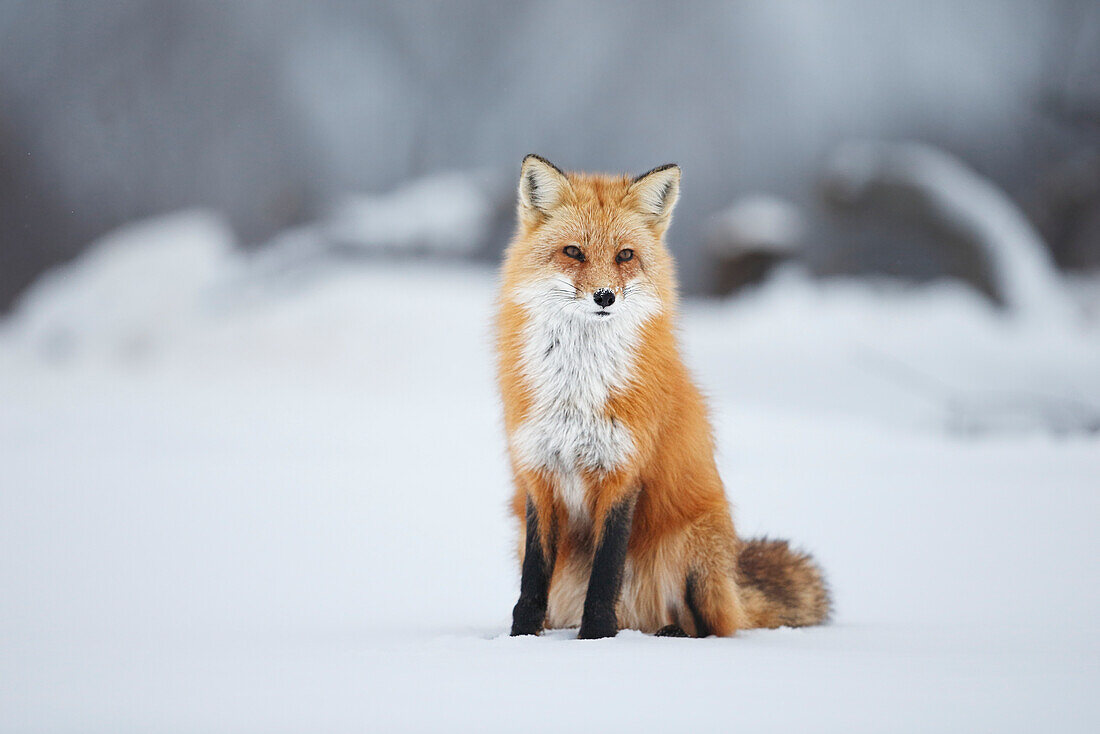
288 514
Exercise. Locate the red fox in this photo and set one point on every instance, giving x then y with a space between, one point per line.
624 522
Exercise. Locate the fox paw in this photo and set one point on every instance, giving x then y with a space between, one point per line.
597 629
670 630
527 620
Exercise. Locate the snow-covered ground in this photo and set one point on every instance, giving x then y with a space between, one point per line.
277 503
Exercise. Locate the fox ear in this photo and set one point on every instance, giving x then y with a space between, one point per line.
655 193
542 186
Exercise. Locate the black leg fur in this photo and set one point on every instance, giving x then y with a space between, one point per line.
702 629
606 581
534 586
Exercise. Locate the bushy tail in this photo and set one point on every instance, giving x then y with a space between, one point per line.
780 586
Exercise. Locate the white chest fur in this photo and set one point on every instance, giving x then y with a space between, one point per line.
572 364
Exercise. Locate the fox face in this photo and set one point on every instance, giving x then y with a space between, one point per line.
591 247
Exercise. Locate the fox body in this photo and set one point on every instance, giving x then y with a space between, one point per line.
623 516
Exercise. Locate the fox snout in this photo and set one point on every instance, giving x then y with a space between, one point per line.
603 297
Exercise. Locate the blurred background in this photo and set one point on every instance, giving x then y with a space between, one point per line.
252 470
276 115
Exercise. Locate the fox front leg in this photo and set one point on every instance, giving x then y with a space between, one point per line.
534 587
606 581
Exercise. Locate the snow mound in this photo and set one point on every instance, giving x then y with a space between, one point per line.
938 357
757 222
130 288
447 213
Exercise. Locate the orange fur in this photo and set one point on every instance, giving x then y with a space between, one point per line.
682 528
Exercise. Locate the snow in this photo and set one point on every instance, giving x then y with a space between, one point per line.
287 511
449 213
139 282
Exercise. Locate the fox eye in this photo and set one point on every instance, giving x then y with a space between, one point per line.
624 255
574 252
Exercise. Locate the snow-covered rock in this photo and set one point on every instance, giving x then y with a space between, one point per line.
1015 263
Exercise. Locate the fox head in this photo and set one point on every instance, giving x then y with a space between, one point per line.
591 247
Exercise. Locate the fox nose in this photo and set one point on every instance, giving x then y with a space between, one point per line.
603 297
